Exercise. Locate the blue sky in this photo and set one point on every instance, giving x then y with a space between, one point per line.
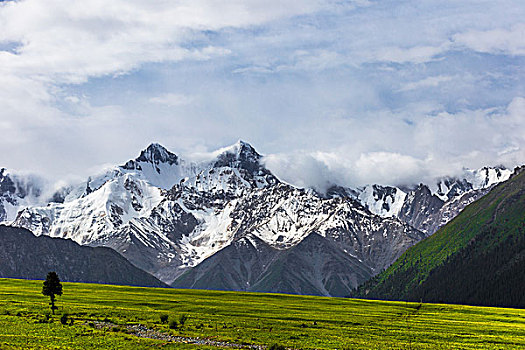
351 92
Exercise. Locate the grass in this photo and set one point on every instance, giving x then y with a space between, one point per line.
246 318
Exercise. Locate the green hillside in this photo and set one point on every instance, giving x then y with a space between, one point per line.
478 258
117 317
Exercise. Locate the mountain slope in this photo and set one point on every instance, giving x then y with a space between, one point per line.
235 267
23 255
316 266
286 219
478 258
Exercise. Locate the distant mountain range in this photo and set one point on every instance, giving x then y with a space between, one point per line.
229 223
23 255
478 258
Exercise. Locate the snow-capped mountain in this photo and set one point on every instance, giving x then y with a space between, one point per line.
429 207
317 238
385 201
178 220
451 187
94 209
18 191
94 212
167 215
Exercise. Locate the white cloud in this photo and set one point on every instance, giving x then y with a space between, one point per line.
70 41
396 168
172 99
55 43
416 54
497 41
301 169
427 82
86 83
433 146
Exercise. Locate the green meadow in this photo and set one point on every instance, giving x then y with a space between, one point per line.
297 322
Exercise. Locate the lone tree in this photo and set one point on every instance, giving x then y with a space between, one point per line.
52 287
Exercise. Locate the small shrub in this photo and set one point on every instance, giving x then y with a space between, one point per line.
182 319
63 319
91 324
164 318
276 347
173 324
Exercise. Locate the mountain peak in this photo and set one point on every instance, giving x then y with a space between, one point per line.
242 143
154 154
7 186
241 149
240 153
242 156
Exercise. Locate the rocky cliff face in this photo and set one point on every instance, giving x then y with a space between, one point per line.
420 208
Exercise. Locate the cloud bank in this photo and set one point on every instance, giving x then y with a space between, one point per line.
331 92
434 146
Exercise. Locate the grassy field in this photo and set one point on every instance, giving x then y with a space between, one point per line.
301 322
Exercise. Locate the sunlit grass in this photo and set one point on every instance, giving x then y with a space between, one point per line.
247 318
